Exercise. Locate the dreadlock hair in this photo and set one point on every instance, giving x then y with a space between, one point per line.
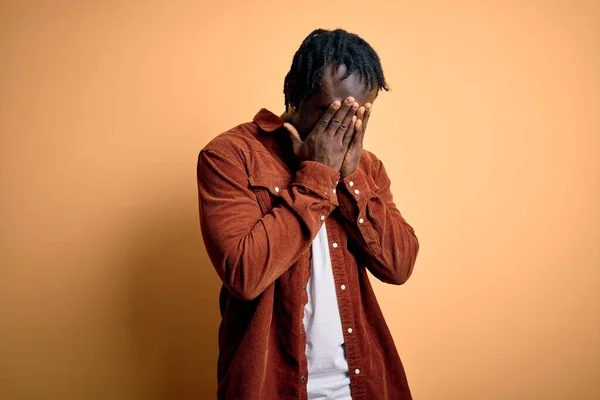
323 48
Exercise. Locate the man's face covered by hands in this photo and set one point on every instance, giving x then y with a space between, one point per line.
332 88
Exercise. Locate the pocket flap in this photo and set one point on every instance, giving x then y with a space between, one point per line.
272 184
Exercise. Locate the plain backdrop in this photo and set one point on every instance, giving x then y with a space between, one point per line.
491 136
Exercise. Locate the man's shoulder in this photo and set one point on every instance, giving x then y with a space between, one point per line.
240 138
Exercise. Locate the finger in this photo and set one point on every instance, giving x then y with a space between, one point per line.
349 132
337 119
368 109
357 139
345 125
360 114
326 117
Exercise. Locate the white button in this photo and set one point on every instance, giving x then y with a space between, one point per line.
333 191
360 221
351 183
349 330
343 287
357 371
335 245
322 218
356 191
276 189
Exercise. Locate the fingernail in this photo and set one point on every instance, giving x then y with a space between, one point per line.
336 104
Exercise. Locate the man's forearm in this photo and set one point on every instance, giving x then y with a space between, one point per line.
387 242
248 249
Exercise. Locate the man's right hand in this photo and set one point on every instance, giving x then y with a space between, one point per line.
329 140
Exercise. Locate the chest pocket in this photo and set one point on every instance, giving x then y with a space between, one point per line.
268 189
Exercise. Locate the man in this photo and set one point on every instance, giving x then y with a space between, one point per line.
293 213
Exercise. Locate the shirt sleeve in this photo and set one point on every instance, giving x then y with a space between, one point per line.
250 250
388 244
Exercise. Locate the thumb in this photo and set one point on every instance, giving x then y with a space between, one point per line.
295 136
293 133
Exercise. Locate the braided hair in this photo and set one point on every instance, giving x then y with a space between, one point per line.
323 48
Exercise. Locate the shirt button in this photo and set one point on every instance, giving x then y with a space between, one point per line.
276 189
302 332
335 245
304 378
357 371
356 191
334 191
349 330
343 287
360 221
322 218
350 183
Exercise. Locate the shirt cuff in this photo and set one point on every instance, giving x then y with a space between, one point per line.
357 186
319 178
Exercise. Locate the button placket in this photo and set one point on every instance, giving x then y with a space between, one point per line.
345 304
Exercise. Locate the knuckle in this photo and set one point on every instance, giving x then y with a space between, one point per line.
324 122
335 122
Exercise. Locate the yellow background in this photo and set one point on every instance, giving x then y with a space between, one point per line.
491 135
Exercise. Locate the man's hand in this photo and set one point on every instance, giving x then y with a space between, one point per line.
328 142
352 157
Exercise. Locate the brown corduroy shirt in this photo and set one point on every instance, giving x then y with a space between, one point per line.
259 212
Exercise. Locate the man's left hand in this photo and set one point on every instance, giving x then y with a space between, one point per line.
352 157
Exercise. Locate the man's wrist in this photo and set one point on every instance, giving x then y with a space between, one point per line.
320 178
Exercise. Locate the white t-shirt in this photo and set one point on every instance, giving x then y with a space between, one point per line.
328 376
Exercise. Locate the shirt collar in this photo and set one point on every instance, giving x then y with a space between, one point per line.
267 121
